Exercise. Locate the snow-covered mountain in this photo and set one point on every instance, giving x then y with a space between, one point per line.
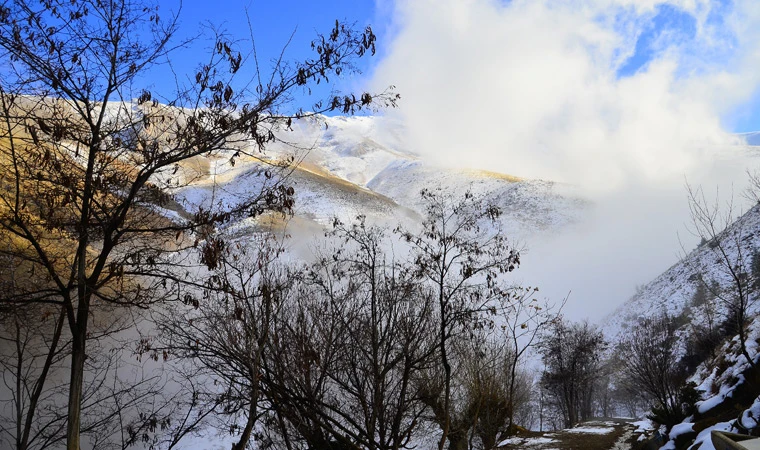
360 165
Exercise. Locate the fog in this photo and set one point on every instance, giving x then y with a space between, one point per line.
623 101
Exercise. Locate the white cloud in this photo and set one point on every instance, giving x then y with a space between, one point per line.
530 88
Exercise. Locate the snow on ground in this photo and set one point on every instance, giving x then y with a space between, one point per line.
623 442
725 383
644 426
354 149
681 428
369 153
527 442
591 430
610 434
703 440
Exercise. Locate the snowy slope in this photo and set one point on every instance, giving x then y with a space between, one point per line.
528 206
320 197
673 290
359 165
673 293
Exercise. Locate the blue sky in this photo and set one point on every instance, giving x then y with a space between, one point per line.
273 24
669 23
655 29
666 20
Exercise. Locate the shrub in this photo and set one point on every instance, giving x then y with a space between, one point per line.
686 400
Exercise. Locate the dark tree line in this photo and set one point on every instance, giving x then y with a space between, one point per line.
649 356
346 352
573 356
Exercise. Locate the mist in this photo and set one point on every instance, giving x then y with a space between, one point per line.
621 101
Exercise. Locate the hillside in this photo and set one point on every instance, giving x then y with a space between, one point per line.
672 292
722 375
358 165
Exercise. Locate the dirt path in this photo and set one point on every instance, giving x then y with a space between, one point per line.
612 434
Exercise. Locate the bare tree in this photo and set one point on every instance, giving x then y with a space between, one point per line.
297 382
524 321
31 351
486 389
34 355
462 253
572 354
648 355
725 239
361 327
484 363
84 168
227 333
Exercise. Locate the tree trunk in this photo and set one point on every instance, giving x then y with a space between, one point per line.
512 376
457 440
248 430
75 388
447 382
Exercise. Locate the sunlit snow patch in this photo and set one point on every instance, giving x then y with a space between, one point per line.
527 442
